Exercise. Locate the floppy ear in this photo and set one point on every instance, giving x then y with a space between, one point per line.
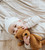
38 37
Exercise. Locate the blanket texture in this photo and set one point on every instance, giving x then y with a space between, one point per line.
22 9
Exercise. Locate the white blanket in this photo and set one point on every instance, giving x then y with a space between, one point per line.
22 9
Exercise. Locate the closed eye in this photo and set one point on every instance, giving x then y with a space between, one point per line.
15 26
13 31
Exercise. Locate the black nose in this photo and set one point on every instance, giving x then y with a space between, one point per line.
16 37
25 34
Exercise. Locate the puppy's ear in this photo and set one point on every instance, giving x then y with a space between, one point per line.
19 33
38 37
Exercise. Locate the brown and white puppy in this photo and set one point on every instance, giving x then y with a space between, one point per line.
35 40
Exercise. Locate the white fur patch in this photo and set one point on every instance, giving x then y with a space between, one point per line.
27 46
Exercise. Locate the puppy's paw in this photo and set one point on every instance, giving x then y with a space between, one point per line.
20 43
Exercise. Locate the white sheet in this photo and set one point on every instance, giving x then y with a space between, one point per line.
21 9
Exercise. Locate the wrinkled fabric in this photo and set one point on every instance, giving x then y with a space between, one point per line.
22 9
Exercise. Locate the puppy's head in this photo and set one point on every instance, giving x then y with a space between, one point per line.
21 33
26 33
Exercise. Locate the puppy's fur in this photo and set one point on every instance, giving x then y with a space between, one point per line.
35 40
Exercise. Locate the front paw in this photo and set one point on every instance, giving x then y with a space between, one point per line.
20 43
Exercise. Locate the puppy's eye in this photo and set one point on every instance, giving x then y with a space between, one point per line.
25 34
15 26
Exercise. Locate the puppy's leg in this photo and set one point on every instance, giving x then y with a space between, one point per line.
35 49
20 43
